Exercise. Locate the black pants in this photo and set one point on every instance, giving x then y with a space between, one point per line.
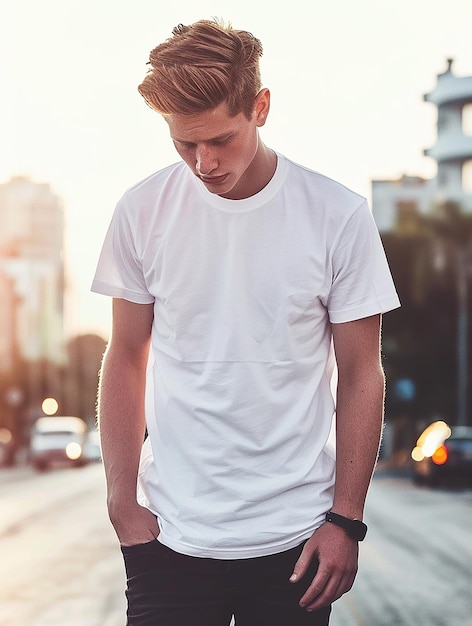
165 588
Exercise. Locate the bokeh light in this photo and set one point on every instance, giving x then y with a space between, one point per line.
50 406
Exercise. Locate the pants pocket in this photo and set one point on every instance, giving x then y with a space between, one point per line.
141 560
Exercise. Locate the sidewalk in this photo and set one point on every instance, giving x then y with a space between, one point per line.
105 604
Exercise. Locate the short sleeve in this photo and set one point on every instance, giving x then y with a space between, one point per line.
361 284
119 271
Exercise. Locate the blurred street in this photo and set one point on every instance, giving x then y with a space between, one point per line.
60 564
416 561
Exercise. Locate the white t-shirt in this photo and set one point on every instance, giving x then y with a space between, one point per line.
238 462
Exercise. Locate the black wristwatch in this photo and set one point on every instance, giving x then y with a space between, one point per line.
354 527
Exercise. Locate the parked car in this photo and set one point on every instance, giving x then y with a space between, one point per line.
443 453
58 440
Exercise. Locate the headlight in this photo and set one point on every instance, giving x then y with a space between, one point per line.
440 455
73 450
430 440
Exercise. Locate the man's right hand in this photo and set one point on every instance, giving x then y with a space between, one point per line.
134 524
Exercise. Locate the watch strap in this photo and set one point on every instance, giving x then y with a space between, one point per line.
354 528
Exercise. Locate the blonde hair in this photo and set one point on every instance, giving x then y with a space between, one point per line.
202 66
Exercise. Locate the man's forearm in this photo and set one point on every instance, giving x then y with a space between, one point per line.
122 422
359 419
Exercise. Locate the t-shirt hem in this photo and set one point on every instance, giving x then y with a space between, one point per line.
234 553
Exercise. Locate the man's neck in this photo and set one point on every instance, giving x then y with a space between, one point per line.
257 176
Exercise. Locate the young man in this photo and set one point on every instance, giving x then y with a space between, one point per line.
239 280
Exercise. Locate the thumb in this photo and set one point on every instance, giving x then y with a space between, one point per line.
302 563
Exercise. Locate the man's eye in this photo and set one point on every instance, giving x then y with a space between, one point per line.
183 145
222 142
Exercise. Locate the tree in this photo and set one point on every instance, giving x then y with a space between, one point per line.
85 354
426 341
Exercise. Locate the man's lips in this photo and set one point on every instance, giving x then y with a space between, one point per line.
213 180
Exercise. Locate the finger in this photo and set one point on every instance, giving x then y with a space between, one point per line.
327 596
302 564
333 589
316 589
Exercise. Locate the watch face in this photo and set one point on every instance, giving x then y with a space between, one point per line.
358 530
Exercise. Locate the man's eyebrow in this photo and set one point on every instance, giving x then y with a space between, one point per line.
210 140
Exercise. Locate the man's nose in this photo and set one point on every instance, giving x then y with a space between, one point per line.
206 161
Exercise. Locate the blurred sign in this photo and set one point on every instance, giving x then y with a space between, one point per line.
405 389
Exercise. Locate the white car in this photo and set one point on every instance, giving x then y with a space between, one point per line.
58 440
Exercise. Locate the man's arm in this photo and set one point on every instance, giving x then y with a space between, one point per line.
359 418
122 421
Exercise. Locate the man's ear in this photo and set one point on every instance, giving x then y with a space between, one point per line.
262 106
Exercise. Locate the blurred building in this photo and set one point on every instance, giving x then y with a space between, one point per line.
396 202
31 273
7 323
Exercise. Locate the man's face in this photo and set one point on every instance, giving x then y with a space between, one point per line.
220 149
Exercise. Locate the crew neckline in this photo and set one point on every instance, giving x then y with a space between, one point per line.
251 203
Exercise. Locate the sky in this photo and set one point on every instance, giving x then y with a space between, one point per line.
347 81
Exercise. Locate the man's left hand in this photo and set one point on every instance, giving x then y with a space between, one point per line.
337 555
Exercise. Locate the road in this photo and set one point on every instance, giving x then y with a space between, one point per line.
416 562
59 561
60 565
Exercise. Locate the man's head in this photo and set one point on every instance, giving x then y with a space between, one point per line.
202 66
